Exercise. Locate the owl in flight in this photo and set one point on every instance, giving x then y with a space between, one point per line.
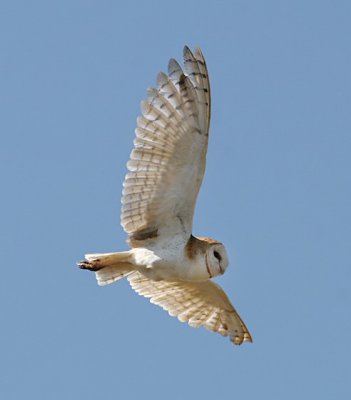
166 263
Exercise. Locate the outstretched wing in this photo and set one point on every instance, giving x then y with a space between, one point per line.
199 303
168 161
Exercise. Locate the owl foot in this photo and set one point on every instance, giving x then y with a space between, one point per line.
93 265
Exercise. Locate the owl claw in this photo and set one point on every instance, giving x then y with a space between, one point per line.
90 265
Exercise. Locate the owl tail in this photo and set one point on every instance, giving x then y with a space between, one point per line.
108 267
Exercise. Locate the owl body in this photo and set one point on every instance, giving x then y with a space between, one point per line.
161 260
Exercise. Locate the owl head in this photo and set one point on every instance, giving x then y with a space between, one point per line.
209 253
216 259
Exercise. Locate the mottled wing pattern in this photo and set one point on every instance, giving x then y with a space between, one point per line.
199 303
167 163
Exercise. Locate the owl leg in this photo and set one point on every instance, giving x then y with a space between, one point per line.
96 261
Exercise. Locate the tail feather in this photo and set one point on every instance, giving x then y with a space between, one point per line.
114 273
108 267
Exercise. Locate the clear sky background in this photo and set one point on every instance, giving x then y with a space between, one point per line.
276 192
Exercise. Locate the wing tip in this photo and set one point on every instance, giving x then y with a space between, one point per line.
174 67
199 55
187 53
238 340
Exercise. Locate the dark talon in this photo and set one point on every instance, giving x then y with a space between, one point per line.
90 265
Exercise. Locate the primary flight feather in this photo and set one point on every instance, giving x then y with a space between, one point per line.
166 263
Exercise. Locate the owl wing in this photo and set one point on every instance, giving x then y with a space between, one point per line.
199 303
167 163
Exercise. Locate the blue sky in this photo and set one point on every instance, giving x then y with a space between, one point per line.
277 193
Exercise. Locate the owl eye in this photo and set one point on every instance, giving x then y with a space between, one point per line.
217 255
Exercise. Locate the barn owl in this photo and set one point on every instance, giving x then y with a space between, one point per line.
166 263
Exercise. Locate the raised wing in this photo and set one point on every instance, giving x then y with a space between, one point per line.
198 303
168 161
